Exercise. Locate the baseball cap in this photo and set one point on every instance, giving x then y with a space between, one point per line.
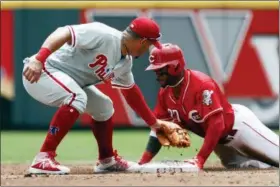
146 28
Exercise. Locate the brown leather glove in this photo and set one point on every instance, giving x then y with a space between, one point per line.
171 134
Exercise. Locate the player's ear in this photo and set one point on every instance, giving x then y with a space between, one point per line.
143 41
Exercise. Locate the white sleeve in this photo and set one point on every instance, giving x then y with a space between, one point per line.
126 79
86 35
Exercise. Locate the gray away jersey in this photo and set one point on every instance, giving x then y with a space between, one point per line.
94 55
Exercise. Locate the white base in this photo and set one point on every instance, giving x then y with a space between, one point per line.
163 167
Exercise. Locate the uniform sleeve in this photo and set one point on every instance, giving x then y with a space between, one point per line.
160 110
215 127
126 79
86 36
208 101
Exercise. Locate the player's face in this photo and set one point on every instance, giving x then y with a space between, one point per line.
139 47
166 79
162 76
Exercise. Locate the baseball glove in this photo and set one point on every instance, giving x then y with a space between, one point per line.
171 134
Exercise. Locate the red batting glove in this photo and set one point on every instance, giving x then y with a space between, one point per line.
195 161
146 158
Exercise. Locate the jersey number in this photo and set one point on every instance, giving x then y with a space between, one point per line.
101 63
174 114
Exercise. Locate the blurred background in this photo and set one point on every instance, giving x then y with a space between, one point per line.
236 44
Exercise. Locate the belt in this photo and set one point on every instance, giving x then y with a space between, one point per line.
228 138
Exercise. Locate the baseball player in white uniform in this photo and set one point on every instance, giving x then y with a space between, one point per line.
71 61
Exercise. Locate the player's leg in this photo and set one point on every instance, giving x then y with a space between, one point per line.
55 88
100 107
230 158
253 139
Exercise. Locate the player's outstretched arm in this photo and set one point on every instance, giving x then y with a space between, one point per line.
152 149
136 101
214 132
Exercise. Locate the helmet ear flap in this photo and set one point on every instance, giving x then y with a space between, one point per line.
175 70
172 70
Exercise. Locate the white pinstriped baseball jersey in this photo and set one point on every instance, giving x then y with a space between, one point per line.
94 55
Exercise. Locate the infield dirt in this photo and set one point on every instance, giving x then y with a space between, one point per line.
82 175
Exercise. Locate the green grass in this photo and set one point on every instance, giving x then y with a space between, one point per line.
80 146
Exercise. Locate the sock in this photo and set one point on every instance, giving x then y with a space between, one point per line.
103 132
61 123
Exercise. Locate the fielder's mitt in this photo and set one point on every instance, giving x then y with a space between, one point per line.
171 134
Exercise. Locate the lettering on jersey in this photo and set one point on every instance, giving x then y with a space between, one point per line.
194 115
101 63
174 114
206 95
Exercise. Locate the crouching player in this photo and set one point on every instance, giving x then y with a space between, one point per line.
194 101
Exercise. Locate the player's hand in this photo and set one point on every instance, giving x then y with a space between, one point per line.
171 134
33 70
159 124
195 162
156 126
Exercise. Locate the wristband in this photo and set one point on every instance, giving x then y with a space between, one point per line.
43 54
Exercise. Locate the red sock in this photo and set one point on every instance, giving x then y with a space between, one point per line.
103 132
61 123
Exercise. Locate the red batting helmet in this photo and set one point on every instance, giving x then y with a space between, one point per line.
167 55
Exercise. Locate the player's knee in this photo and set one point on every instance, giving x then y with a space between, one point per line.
104 112
78 101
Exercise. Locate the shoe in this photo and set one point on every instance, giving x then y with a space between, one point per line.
255 164
112 164
44 163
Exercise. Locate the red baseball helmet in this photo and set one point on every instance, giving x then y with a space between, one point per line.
167 55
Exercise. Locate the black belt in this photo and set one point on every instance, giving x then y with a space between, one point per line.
228 138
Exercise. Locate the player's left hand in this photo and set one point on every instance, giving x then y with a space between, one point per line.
171 134
33 70
194 161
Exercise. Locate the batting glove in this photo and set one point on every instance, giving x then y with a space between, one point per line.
195 161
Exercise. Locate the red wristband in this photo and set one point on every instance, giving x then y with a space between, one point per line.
43 54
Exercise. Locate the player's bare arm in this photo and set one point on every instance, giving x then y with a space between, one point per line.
54 41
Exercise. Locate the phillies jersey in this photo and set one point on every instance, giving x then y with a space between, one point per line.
200 98
93 56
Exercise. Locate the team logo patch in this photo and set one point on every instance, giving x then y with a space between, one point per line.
195 116
53 130
207 97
